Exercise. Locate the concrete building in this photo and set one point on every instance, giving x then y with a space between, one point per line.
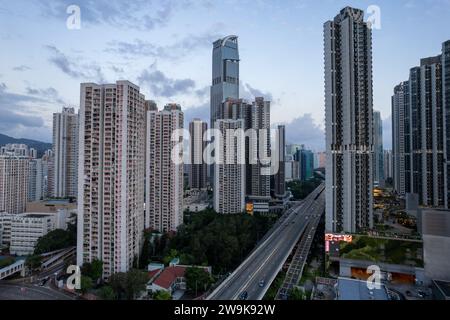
357 290
445 56
378 156
111 172
257 154
320 160
401 149
14 180
279 178
388 164
436 243
15 149
26 229
427 132
36 180
164 175
289 168
229 175
348 122
65 153
198 178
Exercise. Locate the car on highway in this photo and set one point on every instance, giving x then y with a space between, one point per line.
243 295
262 283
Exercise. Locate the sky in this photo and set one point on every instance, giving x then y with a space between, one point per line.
165 47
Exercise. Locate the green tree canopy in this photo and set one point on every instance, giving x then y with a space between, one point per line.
128 285
197 280
162 295
55 240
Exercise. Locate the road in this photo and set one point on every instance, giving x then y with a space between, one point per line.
264 263
11 291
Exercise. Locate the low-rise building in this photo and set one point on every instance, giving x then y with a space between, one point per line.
353 289
26 229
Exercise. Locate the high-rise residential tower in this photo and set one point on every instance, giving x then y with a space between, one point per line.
14 181
229 175
427 132
401 155
65 154
164 181
111 173
198 168
349 124
446 105
378 159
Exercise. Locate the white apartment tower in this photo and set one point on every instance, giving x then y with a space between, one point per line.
14 180
164 170
349 124
111 173
65 154
229 169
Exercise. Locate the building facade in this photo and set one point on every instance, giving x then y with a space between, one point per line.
164 181
378 162
111 172
229 170
198 178
279 178
349 122
14 181
401 154
65 154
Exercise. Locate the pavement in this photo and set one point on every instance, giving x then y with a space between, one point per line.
257 272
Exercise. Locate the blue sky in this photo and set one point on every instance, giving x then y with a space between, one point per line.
165 47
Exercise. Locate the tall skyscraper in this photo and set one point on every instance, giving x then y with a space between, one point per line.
305 159
378 162
225 74
65 154
401 155
14 180
349 126
279 178
229 170
198 168
164 183
111 175
427 132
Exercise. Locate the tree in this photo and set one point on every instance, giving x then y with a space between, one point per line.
6 262
86 284
33 262
55 240
128 285
162 295
197 280
107 293
145 254
93 270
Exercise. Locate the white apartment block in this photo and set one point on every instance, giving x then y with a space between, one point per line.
15 149
229 170
164 175
14 179
65 154
348 122
198 168
26 229
111 173
36 180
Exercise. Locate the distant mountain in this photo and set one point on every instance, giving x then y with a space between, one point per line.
40 146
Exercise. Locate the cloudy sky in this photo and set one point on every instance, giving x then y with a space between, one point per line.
165 47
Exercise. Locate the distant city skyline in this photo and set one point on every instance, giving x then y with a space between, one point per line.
165 49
